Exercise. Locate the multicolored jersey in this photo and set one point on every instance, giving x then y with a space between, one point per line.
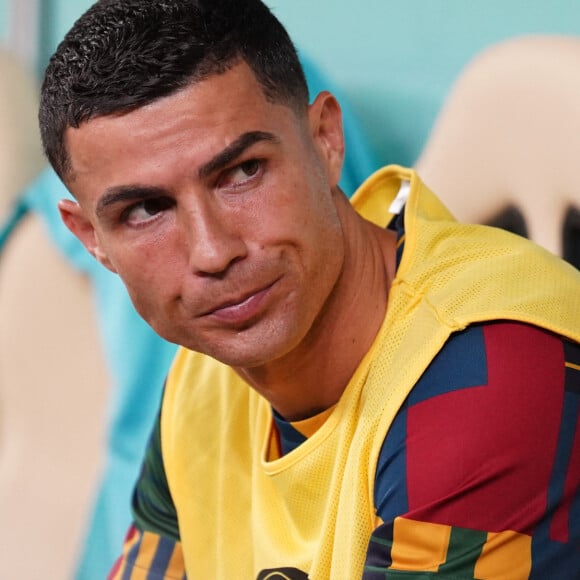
476 474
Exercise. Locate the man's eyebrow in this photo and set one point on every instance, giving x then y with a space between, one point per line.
124 193
234 150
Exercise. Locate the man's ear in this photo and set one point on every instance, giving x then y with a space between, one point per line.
325 119
77 222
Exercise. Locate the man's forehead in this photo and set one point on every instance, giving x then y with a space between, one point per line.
198 128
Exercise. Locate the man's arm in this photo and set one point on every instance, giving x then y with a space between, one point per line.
152 544
159 557
479 476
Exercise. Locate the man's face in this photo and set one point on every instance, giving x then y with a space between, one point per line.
218 210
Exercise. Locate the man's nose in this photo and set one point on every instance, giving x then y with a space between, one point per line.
213 238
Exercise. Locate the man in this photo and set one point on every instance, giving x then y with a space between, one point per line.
134 356
378 392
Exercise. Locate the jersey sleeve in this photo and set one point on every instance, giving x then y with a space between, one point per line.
152 548
479 475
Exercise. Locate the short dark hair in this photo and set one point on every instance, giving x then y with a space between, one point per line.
123 54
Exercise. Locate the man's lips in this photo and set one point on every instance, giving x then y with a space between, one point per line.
242 309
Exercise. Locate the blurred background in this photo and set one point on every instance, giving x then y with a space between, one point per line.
394 60
482 96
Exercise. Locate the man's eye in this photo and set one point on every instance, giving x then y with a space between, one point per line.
250 167
242 173
145 210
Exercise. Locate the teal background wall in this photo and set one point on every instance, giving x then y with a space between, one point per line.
395 60
3 20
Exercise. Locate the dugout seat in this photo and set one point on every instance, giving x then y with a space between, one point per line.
52 379
505 148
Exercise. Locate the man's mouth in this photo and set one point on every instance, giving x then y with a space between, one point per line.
240 309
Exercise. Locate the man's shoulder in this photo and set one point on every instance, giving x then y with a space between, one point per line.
493 352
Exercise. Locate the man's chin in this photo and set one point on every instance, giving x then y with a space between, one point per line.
242 355
242 360
263 342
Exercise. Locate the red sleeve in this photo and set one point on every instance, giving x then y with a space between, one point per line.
479 474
